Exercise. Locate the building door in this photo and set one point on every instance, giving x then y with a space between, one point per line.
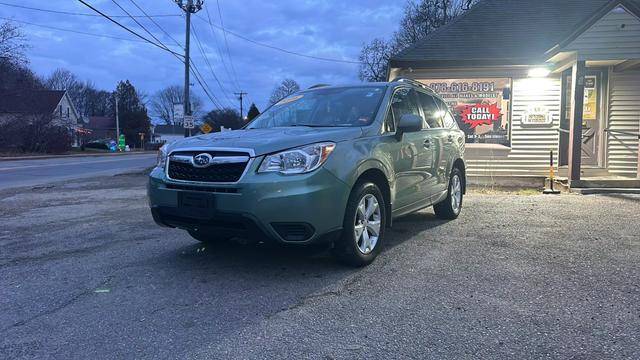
592 117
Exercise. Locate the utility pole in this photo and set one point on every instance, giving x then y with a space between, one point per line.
117 121
241 95
189 7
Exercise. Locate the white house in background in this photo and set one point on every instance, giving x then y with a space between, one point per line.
168 133
17 104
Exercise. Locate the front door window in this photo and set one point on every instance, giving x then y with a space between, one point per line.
591 116
591 119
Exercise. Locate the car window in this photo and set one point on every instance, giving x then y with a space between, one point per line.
389 123
403 102
432 113
324 107
447 119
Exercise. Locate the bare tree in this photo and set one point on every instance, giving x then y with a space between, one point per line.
96 102
374 58
62 79
420 19
17 77
286 88
12 43
161 103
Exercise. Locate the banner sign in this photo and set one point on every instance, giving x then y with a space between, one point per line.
480 106
178 113
537 115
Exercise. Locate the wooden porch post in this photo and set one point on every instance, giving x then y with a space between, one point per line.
575 124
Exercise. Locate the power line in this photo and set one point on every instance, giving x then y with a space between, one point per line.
175 15
126 28
196 73
142 26
226 44
215 40
156 24
72 31
79 14
278 48
201 48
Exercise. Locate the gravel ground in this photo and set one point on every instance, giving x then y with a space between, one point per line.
85 273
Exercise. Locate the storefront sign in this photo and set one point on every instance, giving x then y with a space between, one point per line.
537 115
480 106
480 114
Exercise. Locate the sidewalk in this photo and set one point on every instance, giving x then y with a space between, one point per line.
87 154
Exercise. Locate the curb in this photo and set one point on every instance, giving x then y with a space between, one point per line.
41 157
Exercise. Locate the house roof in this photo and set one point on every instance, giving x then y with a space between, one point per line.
30 101
101 123
506 32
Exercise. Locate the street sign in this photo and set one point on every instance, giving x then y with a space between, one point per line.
188 122
206 128
178 112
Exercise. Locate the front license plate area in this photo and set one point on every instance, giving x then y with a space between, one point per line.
196 205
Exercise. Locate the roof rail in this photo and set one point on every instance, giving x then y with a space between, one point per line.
413 82
318 86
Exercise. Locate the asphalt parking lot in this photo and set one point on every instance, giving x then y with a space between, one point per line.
85 273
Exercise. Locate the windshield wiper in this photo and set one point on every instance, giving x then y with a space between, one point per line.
316 125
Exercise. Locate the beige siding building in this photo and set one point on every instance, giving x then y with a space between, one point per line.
561 76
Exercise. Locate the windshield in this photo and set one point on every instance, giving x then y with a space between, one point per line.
330 107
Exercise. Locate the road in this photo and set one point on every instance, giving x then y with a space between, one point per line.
44 171
86 274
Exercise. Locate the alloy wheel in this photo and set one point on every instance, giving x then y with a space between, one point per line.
367 223
456 193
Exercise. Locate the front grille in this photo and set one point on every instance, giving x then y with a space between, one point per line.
215 173
203 189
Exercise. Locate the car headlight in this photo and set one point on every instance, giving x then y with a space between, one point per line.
297 161
162 157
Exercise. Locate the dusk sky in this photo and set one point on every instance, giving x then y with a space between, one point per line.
332 29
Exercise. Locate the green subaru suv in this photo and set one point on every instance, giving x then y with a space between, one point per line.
331 164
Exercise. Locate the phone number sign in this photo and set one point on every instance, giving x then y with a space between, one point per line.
480 106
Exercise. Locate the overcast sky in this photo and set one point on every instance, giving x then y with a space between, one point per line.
331 28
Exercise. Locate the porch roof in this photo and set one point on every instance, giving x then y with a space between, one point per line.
507 32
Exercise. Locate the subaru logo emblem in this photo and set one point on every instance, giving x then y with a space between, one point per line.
202 160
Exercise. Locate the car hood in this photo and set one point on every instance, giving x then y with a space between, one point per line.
265 141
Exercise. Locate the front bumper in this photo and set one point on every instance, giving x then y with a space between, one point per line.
305 208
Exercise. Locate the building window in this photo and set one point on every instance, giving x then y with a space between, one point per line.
480 107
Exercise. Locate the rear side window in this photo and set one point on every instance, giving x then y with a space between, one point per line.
403 102
447 119
432 113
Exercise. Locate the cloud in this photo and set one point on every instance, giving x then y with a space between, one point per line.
328 28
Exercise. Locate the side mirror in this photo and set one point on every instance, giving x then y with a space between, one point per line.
409 123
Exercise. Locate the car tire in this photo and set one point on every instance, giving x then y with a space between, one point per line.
208 238
360 250
450 207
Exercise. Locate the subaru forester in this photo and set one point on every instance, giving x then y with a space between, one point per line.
332 164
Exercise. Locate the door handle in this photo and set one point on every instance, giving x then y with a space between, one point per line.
427 144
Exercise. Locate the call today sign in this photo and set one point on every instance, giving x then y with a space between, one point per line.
480 106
